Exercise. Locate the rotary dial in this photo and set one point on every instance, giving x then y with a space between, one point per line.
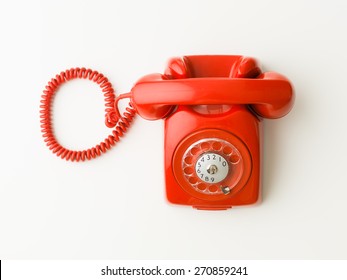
212 166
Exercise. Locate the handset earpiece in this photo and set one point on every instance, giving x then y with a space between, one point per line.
178 68
280 98
245 67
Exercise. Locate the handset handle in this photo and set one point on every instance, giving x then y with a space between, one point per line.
270 94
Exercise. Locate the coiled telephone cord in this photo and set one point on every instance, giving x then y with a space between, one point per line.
112 118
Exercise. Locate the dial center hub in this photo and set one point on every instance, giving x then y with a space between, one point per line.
212 169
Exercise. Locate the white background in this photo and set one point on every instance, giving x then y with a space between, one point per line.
114 207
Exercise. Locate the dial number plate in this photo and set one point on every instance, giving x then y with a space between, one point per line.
211 168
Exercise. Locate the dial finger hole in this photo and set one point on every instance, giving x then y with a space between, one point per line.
227 150
234 158
194 151
213 188
188 170
205 145
216 146
188 160
202 186
193 180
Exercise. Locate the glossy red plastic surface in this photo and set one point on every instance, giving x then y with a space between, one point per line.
213 97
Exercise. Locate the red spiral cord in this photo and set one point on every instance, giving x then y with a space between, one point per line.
112 117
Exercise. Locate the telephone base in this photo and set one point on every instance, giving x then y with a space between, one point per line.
182 131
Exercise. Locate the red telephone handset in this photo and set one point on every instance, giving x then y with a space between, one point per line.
212 107
270 94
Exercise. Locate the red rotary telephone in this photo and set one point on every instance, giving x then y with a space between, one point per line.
213 107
